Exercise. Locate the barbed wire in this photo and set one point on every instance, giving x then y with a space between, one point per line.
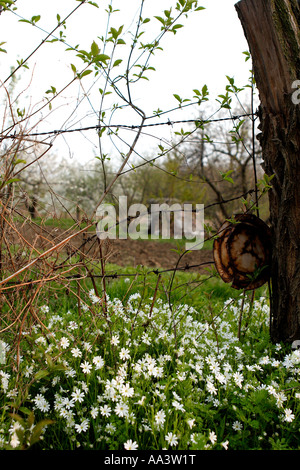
111 275
99 127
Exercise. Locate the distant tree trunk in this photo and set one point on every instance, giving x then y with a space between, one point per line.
271 28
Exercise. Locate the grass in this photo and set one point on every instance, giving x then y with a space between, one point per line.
62 223
151 369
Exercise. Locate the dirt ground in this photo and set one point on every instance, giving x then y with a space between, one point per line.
149 253
155 254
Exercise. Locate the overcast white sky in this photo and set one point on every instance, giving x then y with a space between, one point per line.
208 48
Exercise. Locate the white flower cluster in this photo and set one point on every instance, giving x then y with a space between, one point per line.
140 372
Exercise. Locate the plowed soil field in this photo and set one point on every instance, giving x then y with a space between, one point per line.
150 253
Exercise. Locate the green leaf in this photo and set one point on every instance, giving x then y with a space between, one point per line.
10 181
159 18
19 160
2 50
36 18
41 374
6 3
204 91
226 176
116 32
49 361
102 58
59 367
117 62
247 54
157 112
25 410
21 63
24 21
51 90
37 430
17 418
95 49
83 74
175 27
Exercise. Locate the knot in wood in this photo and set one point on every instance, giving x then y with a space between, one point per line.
242 252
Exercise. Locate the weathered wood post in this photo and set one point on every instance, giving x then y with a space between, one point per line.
272 30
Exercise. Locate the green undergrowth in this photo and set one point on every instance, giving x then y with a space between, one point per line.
158 363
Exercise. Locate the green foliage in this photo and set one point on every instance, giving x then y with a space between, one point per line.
25 433
264 183
5 4
161 376
22 63
32 21
226 177
1 49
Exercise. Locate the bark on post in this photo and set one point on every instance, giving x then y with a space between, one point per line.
272 29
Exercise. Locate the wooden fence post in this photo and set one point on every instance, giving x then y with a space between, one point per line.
271 28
